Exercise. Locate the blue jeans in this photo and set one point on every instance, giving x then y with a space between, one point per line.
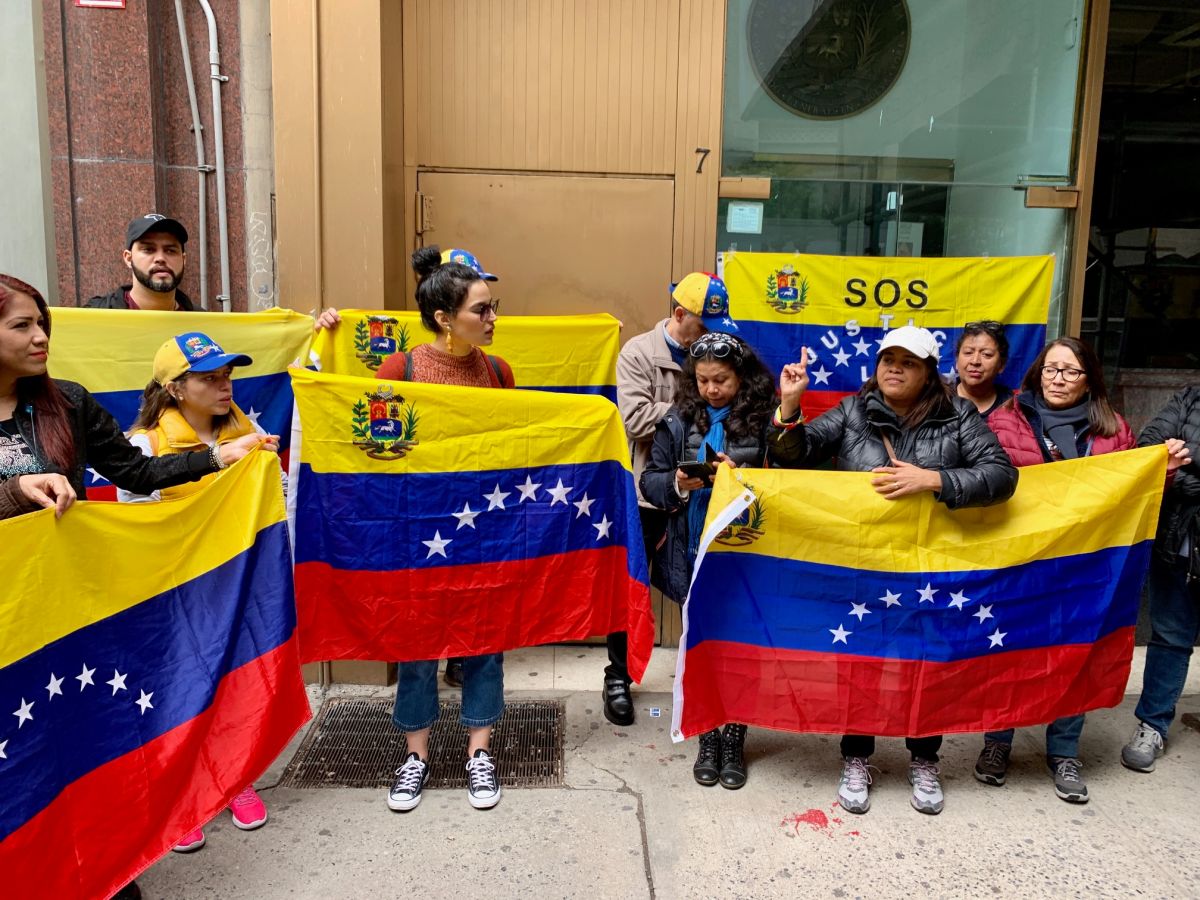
1062 737
417 692
1175 625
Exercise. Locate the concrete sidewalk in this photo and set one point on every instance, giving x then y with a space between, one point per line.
631 822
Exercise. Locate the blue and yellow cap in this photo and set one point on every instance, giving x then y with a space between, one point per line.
705 295
192 352
468 259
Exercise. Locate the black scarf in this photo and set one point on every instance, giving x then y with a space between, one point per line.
1062 426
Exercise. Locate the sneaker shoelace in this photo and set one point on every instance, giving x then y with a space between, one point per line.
409 776
1147 739
856 774
481 773
1068 769
245 798
993 754
925 776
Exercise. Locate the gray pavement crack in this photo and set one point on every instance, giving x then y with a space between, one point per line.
641 817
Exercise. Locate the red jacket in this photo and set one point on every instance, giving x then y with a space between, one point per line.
1024 447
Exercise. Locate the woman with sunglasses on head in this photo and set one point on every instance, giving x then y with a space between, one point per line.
979 357
723 401
1061 413
907 427
456 304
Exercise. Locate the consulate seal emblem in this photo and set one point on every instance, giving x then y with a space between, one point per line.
384 426
378 337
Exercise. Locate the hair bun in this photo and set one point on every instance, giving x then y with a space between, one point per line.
426 260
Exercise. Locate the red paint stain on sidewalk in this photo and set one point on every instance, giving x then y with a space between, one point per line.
817 821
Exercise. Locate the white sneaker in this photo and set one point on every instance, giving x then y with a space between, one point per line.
483 787
411 778
927 789
854 790
1143 749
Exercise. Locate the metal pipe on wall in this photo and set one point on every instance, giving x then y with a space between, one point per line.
214 62
202 169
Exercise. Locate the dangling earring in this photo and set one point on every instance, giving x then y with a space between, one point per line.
449 340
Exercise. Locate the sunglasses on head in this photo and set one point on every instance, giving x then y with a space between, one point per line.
717 345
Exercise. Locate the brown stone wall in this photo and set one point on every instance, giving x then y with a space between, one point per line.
121 142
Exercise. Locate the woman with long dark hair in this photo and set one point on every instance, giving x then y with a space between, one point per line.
723 401
456 305
51 429
1062 412
907 426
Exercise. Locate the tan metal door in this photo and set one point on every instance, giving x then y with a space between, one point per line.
561 244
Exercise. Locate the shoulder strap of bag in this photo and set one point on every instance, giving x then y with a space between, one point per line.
887 445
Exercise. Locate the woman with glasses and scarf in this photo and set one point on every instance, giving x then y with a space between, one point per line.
1062 412
456 304
907 427
723 401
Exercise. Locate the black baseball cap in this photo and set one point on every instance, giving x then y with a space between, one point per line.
143 225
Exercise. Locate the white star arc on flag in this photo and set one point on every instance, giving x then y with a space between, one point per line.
958 599
842 358
840 634
466 516
144 701
860 610
890 598
3 744
437 546
118 681
927 593
559 493
984 612
85 677
861 348
602 527
54 688
25 713
496 498
821 375
584 506
528 489
997 638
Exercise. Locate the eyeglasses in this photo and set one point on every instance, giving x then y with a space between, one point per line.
717 345
1049 373
482 311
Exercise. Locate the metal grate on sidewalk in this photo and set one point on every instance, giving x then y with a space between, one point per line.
352 743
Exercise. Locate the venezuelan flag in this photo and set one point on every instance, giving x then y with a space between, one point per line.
437 521
110 353
148 660
840 307
818 606
567 354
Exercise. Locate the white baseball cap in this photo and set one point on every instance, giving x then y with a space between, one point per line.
917 341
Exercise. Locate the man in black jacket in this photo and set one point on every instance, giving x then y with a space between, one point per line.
156 254
1174 587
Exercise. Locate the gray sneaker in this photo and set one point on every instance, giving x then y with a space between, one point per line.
854 790
992 765
927 789
1068 782
1143 749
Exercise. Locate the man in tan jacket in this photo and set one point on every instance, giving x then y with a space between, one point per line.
647 371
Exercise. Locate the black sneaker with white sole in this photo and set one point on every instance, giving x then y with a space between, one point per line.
1068 780
483 787
992 765
411 779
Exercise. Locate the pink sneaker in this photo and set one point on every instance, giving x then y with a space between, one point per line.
249 812
191 842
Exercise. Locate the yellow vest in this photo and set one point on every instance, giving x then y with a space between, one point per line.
173 434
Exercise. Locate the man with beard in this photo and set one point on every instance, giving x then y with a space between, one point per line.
155 251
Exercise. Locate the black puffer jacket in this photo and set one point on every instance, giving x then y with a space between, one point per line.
100 444
1180 515
676 440
975 469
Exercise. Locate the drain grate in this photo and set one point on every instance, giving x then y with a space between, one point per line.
353 743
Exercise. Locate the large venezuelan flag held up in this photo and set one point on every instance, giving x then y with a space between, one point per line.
148 658
436 521
567 354
839 307
111 353
818 606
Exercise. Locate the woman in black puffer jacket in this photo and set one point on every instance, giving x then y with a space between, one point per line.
907 426
724 400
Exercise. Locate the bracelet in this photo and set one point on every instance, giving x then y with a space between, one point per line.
779 422
214 456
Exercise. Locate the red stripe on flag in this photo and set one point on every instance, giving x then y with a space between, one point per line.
816 402
468 610
807 692
110 825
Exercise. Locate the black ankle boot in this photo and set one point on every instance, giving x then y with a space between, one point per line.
733 762
618 702
708 760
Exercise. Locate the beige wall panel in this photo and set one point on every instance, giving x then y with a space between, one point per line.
294 97
701 70
562 244
545 85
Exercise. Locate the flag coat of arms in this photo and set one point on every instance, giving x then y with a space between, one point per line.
110 352
819 606
566 354
436 520
840 307
148 673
